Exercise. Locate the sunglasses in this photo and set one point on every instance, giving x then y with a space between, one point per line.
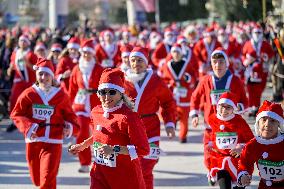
104 92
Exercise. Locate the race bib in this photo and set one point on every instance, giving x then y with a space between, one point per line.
109 161
270 170
21 64
42 111
155 152
107 63
226 140
180 91
215 95
80 97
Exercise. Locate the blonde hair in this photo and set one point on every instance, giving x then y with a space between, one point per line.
127 101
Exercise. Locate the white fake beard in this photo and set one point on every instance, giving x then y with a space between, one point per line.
134 77
86 67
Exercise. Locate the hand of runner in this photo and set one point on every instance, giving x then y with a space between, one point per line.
170 132
76 148
245 180
236 152
66 131
107 150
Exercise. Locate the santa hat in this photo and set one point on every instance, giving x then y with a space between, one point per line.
140 52
125 32
221 51
176 47
56 47
210 31
257 29
189 30
112 79
87 46
228 98
181 39
125 50
108 32
44 65
168 31
271 110
74 43
25 38
40 46
221 31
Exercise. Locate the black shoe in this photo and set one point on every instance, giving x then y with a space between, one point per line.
211 182
183 141
11 128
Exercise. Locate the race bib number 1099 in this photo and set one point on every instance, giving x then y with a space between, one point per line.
42 111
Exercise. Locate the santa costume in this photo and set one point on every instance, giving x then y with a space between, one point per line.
268 154
227 133
150 94
117 126
125 52
67 63
108 53
45 114
22 62
83 85
211 88
181 78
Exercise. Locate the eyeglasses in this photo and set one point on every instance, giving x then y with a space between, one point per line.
104 92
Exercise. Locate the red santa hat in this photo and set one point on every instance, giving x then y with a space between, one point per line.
112 79
25 38
125 50
74 43
88 46
222 31
189 30
181 39
140 52
220 51
210 31
230 99
56 47
271 110
257 29
40 46
168 31
44 65
125 32
176 47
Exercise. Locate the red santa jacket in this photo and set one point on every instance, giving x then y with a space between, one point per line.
82 90
160 53
108 59
226 134
46 115
183 84
206 88
22 64
122 127
269 157
152 95
64 64
203 52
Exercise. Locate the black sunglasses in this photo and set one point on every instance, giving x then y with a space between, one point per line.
104 92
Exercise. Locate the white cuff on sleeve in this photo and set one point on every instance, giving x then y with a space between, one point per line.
59 78
239 177
132 152
33 129
70 127
170 124
193 112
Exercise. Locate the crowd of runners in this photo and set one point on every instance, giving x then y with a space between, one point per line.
112 90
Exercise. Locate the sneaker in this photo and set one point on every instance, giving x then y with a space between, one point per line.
183 140
11 128
211 182
84 169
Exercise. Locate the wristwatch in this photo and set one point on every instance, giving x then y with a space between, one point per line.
116 148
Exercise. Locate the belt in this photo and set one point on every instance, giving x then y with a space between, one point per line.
147 115
50 124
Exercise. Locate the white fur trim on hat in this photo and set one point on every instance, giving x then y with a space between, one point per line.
223 53
139 54
56 49
73 46
43 69
38 47
272 115
227 101
111 86
124 54
23 38
87 49
176 49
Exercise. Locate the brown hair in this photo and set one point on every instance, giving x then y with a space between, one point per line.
218 55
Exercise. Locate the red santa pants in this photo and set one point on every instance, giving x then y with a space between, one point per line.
147 166
85 157
183 114
207 148
43 160
16 90
254 93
